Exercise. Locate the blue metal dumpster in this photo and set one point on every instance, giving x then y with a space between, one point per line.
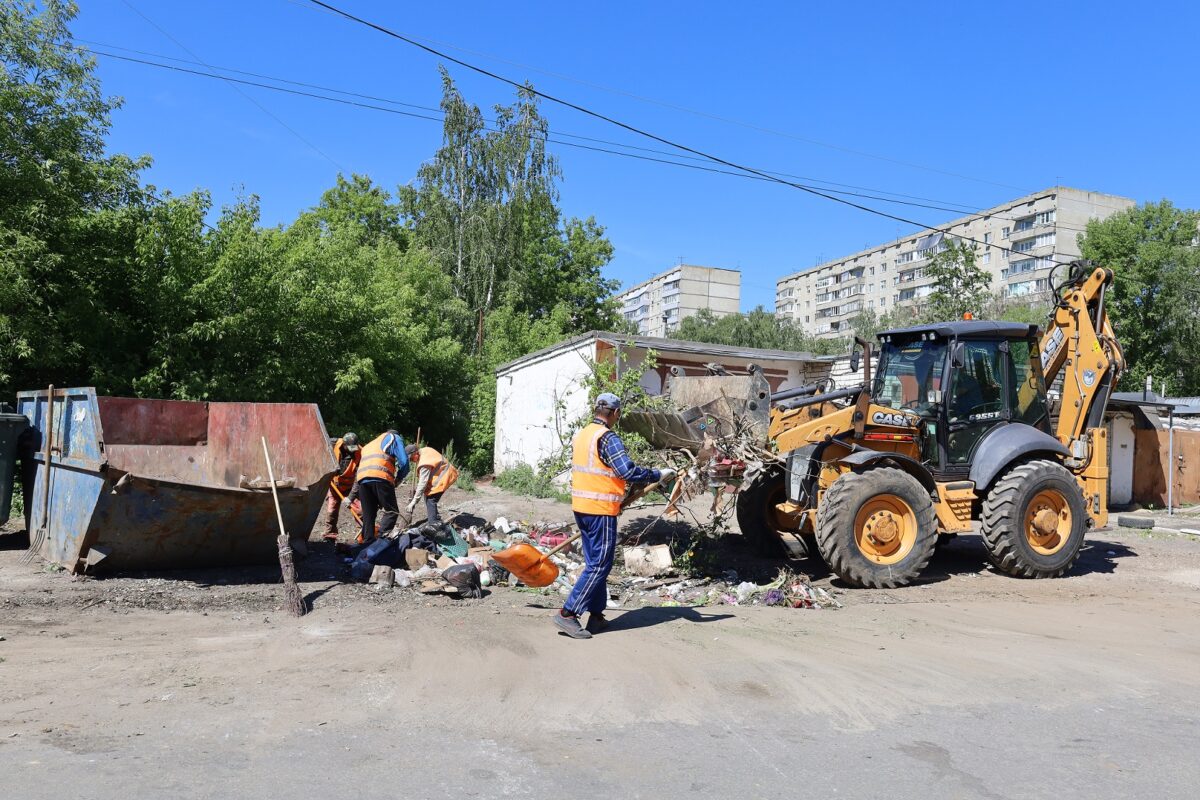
160 484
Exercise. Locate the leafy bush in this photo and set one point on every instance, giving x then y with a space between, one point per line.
522 479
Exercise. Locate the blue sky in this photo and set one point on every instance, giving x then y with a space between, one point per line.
963 103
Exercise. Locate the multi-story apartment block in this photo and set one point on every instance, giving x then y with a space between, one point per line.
658 305
1018 242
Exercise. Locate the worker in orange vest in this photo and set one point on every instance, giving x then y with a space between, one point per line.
382 465
434 476
346 452
600 470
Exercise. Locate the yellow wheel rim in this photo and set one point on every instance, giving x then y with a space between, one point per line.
885 529
1048 522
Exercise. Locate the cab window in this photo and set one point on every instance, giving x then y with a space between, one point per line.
1027 392
909 375
977 387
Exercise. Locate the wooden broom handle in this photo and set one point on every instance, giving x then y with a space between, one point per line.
564 545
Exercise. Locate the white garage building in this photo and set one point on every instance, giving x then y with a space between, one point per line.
538 396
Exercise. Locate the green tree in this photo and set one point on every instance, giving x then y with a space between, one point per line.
1155 304
479 199
960 286
868 324
759 328
69 213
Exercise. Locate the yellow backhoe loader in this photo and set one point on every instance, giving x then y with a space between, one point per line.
954 426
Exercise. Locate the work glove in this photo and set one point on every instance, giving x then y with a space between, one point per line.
667 475
412 504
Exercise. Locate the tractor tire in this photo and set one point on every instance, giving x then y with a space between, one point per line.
877 529
756 514
1034 521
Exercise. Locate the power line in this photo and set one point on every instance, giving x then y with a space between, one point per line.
767 176
676 107
962 207
640 131
259 105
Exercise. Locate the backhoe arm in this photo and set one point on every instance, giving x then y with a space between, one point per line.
1080 340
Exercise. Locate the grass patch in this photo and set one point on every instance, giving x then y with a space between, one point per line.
524 480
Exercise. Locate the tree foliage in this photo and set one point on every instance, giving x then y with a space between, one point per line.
1155 303
759 328
960 286
388 311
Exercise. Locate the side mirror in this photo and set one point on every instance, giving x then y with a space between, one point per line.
958 355
855 359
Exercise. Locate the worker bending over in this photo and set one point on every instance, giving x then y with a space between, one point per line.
346 452
383 463
434 476
600 471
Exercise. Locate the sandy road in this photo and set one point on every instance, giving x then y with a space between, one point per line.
968 685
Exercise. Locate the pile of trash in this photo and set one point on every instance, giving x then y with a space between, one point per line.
788 590
432 557
438 557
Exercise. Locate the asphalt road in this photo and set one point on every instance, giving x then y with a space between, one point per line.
970 685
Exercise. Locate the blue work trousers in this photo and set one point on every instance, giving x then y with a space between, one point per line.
599 548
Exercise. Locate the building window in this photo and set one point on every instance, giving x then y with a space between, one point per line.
1045 239
1004 233
987 257
806 317
987 238
1045 217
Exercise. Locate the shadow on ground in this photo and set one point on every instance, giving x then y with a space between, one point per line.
14 540
648 616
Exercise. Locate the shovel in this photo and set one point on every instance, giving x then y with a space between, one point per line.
534 568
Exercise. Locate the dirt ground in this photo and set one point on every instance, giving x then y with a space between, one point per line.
968 684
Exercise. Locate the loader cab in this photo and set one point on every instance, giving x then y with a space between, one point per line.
962 379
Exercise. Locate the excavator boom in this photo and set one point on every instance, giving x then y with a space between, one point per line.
1080 344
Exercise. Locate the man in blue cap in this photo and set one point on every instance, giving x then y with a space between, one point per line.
600 471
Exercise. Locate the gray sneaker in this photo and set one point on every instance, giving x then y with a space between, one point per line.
570 626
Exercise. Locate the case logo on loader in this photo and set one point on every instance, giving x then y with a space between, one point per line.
899 420
1056 340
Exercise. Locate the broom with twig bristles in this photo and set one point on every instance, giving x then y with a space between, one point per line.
293 600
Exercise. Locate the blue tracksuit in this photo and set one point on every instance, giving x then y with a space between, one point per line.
599 539
600 533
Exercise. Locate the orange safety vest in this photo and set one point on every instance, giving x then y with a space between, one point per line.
344 480
444 474
374 464
595 488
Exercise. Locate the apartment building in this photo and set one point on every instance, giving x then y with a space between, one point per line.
1018 242
658 305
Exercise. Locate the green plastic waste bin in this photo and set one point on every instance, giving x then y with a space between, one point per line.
11 426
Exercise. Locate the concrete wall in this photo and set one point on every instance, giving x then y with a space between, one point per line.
679 293
529 418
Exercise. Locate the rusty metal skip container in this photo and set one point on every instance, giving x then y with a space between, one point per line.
161 484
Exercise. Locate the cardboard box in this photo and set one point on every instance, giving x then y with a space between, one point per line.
445 562
416 558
